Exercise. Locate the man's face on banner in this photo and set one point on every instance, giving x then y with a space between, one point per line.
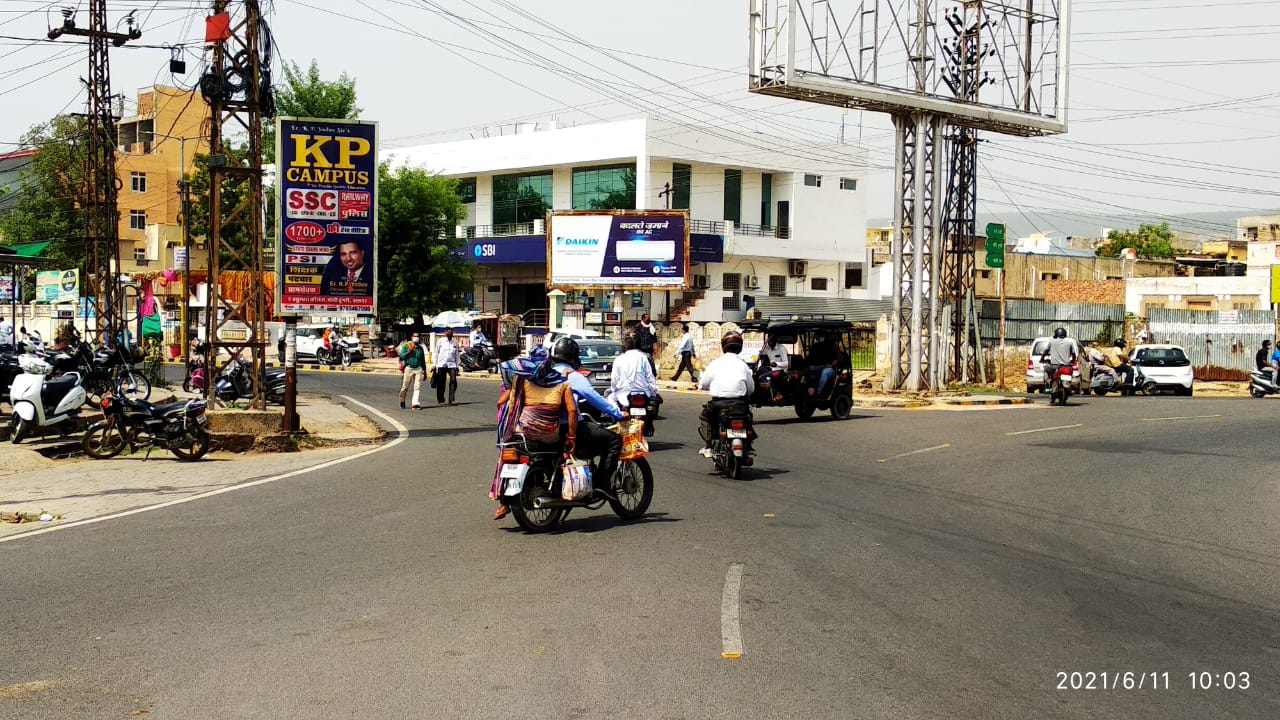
351 255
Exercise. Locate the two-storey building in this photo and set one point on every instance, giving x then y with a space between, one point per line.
770 217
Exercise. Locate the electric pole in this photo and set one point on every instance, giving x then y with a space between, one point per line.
184 193
101 217
238 98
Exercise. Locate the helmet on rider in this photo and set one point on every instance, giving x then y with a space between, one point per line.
1120 343
566 351
731 342
1060 333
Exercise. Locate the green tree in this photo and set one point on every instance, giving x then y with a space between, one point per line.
305 94
420 270
1150 241
47 198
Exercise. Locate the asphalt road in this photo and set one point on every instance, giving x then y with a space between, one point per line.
960 577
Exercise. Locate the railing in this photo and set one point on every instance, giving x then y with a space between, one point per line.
537 317
506 230
717 227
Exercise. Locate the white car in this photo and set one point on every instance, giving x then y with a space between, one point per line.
311 339
1035 368
556 333
1162 367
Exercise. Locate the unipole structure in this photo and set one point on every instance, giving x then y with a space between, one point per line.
237 97
101 217
887 56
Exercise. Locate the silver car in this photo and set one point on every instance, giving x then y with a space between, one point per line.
1035 368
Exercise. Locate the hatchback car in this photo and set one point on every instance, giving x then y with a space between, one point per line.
1035 368
597 355
1163 367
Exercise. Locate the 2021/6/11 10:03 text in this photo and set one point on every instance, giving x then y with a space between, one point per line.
1203 680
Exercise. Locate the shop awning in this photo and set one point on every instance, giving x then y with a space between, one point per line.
26 249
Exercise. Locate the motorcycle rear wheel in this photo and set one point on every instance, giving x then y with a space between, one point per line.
636 491
1059 394
197 447
346 358
102 441
133 385
532 519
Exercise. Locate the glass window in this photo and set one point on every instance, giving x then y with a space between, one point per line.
681 186
731 281
137 219
848 183
853 276
611 187
733 195
777 285
813 180
818 283
521 198
467 190
766 199
138 182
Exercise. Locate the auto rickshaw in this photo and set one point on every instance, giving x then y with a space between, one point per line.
815 344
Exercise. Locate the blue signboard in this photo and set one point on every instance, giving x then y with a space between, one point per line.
521 249
706 248
327 176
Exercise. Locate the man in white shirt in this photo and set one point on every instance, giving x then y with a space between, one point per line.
6 332
774 360
445 367
729 380
685 351
631 374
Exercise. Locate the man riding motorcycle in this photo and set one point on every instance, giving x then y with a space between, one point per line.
1263 360
592 439
1118 360
1060 353
730 381
631 374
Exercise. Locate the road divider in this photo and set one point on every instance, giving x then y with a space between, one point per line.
730 623
914 452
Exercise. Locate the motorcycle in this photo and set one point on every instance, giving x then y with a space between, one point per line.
235 382
195 378
111 370
1261 385
1101 383
644 407
1060 386
338 353
532 475
732 441
483 357
39 402
178 426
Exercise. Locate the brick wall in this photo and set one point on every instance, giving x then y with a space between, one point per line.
1106 292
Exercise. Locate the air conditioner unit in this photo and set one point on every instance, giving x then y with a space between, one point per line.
753 282
797 268
701 282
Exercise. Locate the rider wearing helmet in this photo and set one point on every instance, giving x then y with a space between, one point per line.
730 382
1060 353
593 439
1118 360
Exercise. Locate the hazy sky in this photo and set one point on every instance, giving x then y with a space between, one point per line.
1174 104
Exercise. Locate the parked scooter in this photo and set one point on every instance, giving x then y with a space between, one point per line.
1261 384
39 402
235 382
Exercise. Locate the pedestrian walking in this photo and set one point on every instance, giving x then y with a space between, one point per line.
645 340
446 368
413 364
686 353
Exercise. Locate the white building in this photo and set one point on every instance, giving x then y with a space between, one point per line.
770 217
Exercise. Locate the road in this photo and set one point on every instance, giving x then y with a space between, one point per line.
901 564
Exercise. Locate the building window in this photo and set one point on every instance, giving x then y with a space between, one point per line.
848 183
1242 306
139 255
733 195
984 274
818 283
138 182
681 186
1114 277
467 190
777 285
813 180
1050 276
137 219
1251 233
766 199
854 277
611 187
521 198
731 281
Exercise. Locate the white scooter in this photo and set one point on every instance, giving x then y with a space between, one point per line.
39 402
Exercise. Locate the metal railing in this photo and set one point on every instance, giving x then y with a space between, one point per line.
536 317
504 230
717 227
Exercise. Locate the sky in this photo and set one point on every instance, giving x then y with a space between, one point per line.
1174 106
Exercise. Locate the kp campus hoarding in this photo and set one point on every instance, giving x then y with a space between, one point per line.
327 210
618 249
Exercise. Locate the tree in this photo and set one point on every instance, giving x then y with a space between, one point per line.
47 201
420 268
305 94
1149 241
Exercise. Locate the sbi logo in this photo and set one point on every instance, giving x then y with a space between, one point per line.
479 251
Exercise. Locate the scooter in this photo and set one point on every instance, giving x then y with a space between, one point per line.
40 403
235 382
483 357
1261 384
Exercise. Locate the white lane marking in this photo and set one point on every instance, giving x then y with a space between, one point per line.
1184 417
730 626
1048 429
402 435
914 452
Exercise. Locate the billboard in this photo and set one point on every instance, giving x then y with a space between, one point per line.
618 249
57 286
327 210
6 289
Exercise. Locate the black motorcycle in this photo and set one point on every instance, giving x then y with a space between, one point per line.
732 441
644 407
532 475
178 426
110 370
235 382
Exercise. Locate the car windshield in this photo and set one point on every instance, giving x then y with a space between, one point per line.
594 351
1040 348
1163 357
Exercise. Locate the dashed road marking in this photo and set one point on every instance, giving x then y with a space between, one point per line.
914 452
730 624
1048 429
1184 417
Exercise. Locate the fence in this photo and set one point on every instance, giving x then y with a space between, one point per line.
1220 344
1026 320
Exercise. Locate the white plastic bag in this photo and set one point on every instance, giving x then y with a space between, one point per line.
577 480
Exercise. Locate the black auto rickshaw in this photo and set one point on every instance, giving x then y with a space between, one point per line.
816 346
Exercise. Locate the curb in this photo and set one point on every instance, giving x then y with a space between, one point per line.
319 368
1000 401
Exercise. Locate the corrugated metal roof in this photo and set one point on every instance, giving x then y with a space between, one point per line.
853 310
